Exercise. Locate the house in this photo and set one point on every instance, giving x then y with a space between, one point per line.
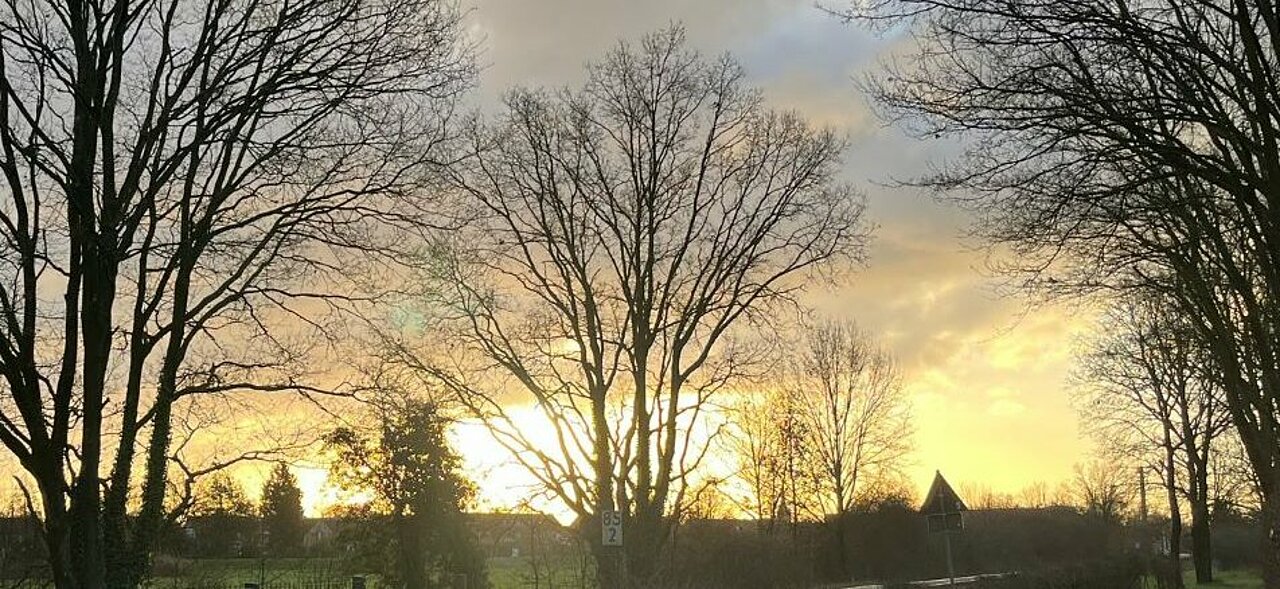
518 534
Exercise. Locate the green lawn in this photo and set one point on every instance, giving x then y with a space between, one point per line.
1228 580
237 571
504 573
517 573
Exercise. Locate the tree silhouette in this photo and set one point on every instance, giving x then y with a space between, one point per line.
768 440
834 432
624 233
416 481
1116 146
175 175
223 518
281 511
1147 389
1102 489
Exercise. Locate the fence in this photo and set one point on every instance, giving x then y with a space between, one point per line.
356 582
353 583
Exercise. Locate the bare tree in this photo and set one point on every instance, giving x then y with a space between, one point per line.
1121 145
767 441
180 175
627 231
980 496
833 435
1233 485
1034 496
1146 391
853 413
1103 490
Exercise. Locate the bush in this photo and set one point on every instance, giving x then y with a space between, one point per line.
1109 574
1237 543
733 554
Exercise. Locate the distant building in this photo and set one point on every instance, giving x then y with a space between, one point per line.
517 534
497 534
321 532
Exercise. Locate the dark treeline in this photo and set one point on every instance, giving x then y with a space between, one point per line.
887 542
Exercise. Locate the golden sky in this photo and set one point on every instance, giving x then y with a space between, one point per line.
987 374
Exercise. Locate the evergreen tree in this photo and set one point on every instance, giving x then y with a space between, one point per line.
417 482
222 517
281 512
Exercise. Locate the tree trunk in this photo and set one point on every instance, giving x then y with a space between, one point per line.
842 547
1175 514
608 559
57 538
1201 543
118 534
86 504
413 570
1175 542
1270 517
639 561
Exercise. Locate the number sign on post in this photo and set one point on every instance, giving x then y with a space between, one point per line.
611 528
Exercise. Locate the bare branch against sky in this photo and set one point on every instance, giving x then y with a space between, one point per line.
631 235
573 251
180 177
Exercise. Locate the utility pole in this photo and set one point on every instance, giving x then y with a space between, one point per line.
1144 538
1142 493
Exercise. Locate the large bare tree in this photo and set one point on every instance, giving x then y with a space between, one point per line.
179 179
626 232
1146 393
1121 145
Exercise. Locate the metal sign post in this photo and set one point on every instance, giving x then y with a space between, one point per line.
942 510
611 540
951 567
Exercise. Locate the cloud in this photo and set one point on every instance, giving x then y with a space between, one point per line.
1006 408
546 42
986 377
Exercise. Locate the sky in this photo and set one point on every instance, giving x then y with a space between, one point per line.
986 372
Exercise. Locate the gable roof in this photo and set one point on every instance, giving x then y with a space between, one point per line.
942 498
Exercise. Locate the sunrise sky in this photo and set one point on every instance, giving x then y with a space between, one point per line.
988 380
987 374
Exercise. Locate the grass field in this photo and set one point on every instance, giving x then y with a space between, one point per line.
1237 579
504 573
516 573
1228 580
235 572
